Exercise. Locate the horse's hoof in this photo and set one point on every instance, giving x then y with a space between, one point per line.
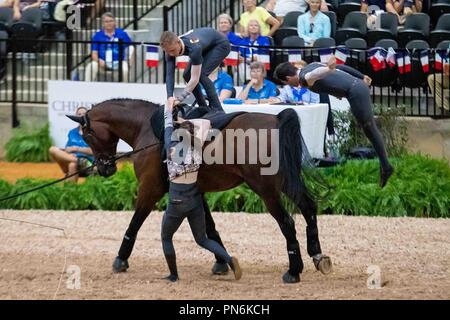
220 268
323 263
288 278
120 265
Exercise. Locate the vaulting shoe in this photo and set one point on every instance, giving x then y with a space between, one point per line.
234 265
385 174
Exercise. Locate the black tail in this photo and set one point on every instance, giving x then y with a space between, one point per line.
290 149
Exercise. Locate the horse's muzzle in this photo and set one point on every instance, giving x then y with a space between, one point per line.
106 168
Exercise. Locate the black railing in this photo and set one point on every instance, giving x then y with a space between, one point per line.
185 15
128 13
24 76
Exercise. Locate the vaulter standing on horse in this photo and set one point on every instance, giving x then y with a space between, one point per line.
206 48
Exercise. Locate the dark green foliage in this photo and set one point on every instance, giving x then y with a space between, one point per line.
420 187
26 146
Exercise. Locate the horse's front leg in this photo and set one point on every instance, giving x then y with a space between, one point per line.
220 267
147 197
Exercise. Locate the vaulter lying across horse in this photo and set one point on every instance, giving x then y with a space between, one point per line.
134 120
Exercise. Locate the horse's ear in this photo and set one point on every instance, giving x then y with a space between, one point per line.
80 120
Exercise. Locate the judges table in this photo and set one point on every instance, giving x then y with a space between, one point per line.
313 119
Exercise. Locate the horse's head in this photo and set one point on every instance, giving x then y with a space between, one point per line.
102 141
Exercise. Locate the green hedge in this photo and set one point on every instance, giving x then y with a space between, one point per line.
29 145
420 187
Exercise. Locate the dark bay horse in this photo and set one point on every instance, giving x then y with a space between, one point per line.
129 120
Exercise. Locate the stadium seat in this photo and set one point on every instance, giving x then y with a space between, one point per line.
293 41
443 45
290 19
437 9
355 26
345 8
386 44
333 5
417 45
356 58
282 33
29 27
387 30
356 43
416 28
324 43
332 16
441 32
6 18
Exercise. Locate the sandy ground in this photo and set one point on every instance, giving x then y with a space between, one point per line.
411 255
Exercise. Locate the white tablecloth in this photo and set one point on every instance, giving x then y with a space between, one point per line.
313 120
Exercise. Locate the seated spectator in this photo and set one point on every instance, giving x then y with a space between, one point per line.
283 7
77 155
439 86
248 55
403 8
14 4
314 24
106 56
268 23
258 90
298 95
223 84
225 23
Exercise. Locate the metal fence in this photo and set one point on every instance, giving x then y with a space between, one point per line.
24 75
185 15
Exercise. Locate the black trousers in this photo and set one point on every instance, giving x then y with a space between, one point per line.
361 108
211 60
185 201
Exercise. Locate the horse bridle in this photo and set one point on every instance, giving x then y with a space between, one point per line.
110 160
90 133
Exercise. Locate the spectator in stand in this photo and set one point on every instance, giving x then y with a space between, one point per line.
313 24
225 23
106 56
14 4
403 8
77 155
282 7
268 23
250 54
258 90
439 86
223 83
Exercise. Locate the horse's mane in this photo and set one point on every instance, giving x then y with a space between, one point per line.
125 101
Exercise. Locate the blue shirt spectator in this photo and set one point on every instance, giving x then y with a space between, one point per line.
234 38
268 90
75 139
289 94
113 40
223 82
313 24
259 41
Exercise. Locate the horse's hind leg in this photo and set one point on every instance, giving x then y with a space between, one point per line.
287 226
308 207
220 267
